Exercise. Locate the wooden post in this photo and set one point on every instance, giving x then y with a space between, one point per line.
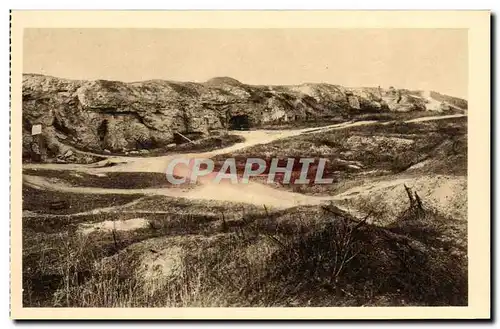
184 137
39 153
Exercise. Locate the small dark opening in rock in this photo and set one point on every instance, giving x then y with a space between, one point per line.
239 122
102 130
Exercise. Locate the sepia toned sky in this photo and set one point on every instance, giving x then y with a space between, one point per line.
434 59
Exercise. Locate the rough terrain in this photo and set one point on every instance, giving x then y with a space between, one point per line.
109 230
130 117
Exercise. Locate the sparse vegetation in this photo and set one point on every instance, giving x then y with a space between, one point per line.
39 200
118 180
388 247
299 257
394 116
373 151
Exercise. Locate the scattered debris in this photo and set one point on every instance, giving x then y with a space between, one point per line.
58 205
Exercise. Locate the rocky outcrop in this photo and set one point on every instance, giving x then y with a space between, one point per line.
116 116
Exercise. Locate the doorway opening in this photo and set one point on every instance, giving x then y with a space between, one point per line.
239 122
102 130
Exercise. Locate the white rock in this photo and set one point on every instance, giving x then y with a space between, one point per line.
68 153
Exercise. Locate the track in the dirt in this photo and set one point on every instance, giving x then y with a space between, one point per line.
252 193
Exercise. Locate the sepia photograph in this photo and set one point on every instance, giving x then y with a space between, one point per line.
254 167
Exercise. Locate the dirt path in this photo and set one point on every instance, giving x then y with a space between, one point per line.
252 193
252 138
159 163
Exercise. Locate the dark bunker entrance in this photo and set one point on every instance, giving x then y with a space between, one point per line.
239 122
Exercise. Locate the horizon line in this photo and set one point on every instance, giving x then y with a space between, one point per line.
243 83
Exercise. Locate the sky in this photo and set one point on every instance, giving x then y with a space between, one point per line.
418 59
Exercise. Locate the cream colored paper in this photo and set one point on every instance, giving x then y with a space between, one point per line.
478 94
